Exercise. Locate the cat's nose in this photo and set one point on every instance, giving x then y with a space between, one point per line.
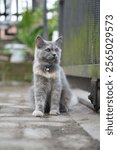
54 55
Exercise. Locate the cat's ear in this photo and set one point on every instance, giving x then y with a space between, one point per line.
59 41
40 42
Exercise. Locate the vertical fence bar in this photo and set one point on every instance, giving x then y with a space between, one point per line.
45 31
61 8
5 9
17 9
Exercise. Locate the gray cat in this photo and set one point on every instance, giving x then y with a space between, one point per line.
51 92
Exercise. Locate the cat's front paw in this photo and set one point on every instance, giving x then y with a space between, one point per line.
37 113
54 112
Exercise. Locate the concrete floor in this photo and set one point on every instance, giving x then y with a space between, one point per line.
76 130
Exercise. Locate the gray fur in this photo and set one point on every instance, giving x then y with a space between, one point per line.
51 91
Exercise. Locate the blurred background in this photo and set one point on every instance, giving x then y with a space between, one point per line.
79 23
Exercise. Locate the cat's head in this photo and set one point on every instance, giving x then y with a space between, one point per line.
48 52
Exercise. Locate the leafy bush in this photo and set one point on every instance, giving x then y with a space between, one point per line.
29 27
32 25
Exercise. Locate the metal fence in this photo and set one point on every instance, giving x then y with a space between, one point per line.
81 31
79 23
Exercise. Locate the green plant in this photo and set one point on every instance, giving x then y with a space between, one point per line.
29 27
32 24
5 51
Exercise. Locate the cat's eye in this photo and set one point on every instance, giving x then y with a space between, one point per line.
48 49
56 49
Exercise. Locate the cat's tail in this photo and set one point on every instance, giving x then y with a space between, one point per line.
73 102
68 101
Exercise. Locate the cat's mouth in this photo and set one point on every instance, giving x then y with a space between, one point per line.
53 60
50 60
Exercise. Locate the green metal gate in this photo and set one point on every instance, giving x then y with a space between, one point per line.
80 27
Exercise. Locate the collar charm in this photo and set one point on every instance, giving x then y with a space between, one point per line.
47 69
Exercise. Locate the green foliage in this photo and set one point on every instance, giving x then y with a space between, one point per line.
4 51
9 71
29 27
32 25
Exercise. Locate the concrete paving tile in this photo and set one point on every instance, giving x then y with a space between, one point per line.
14 95
20 131
8 125
75 141
88 120
6 104
6 115
23 144
38 133
59 118
53 124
